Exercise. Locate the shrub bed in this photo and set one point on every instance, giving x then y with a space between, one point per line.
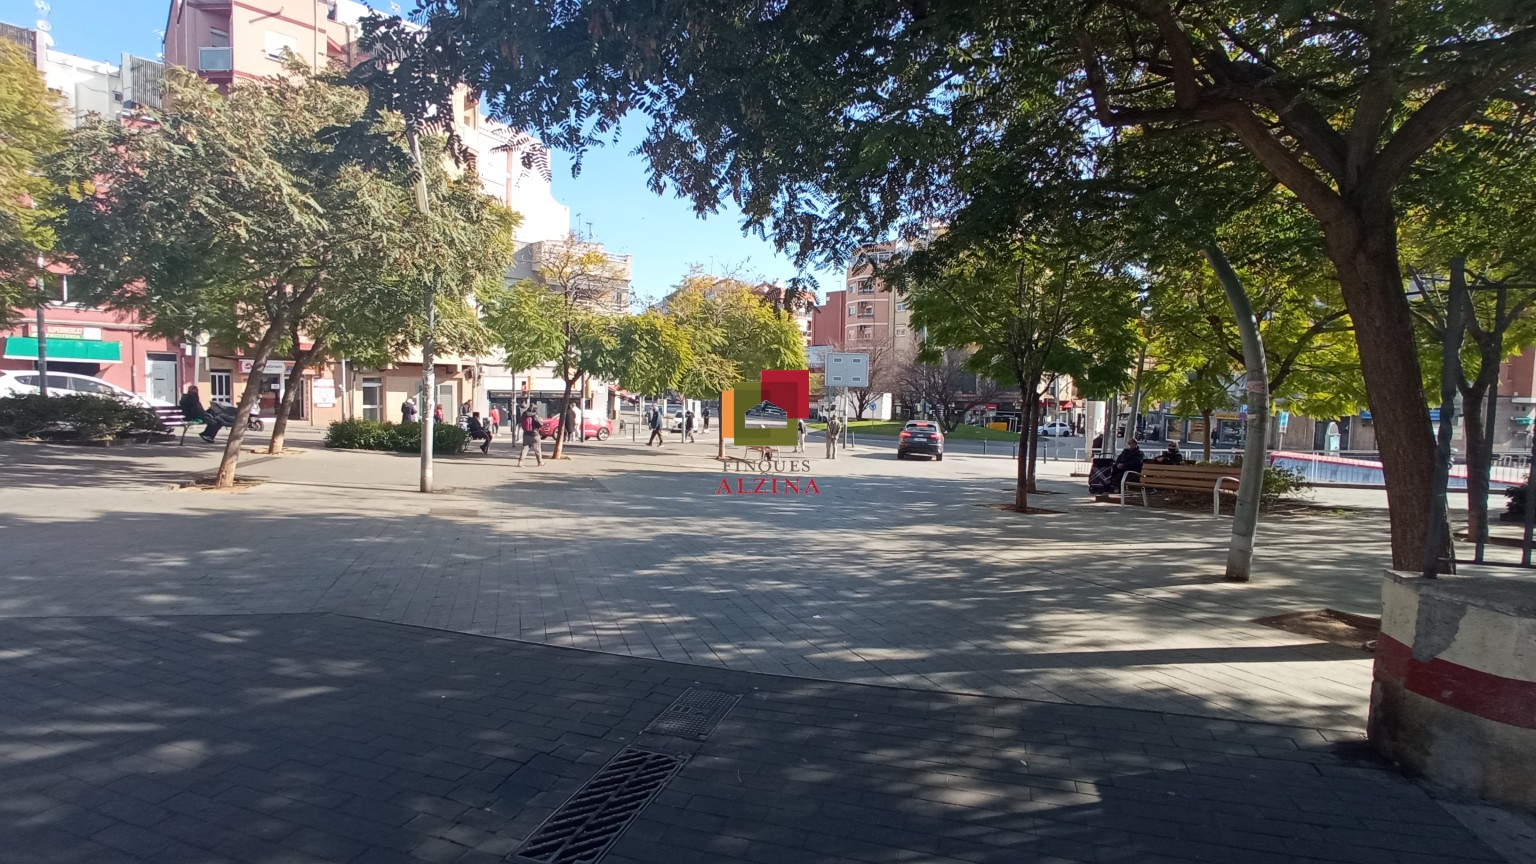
76 417
447 439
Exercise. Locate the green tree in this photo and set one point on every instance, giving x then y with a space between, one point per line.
562 316
1479 207
829 122
31 128
649 354
253 216
1025 311
732 334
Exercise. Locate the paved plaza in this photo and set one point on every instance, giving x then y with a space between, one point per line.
329 666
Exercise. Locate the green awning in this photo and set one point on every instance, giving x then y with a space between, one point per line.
70 350
1523 421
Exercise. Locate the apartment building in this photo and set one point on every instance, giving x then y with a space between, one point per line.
864 314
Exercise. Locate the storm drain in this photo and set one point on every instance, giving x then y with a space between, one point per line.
585 826
695 714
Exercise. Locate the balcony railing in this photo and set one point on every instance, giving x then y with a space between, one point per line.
214 60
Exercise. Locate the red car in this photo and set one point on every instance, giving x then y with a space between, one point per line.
590 428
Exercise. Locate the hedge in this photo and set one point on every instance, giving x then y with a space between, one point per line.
447 439
75 417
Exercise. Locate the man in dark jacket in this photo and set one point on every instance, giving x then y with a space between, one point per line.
657 437
478 432
1130 459
192 409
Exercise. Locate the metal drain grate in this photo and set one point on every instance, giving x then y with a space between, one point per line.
584 827
695 714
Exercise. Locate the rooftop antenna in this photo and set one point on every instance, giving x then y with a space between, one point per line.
43 26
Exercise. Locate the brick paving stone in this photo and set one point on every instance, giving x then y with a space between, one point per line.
798 772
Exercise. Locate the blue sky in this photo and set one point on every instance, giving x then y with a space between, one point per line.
662 234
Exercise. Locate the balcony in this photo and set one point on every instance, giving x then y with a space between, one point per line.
214 60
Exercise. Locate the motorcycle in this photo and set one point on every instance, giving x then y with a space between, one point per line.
226 414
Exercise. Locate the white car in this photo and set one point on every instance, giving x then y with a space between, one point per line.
68 383
1057 429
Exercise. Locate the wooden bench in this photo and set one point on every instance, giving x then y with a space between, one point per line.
171 418
1183 478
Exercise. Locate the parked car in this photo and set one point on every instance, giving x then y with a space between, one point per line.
920 436
591 427
68 383
1057 429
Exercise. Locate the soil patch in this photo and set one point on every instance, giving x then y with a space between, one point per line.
205 484
1013 509
1329 625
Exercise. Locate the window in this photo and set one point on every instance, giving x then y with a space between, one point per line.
214 60
218 38
278 42
901 306
867 287
901 331
221 388
852 309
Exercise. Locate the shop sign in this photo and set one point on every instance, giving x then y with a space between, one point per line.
273 367
323 392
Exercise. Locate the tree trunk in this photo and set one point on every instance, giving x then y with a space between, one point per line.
1205 418
226 475
565 418
1029 419
1250 490
1363 250
1479 463
290 392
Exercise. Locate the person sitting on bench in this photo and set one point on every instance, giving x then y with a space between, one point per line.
192 409
478 432
1130 459
1171 456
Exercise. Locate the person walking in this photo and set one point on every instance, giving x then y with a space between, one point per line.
495 418
688 426
529 427
656 434
437 413
800 435
705 412
478 432
834 428
192 409
408 412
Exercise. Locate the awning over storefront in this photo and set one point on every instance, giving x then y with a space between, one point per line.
64 350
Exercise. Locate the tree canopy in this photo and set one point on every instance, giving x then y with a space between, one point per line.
829 123
281 208
33 129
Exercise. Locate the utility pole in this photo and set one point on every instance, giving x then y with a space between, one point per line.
428 358
42 328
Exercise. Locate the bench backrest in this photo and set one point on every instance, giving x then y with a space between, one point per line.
1152 471
170 415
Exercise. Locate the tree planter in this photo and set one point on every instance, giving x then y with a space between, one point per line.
1454 698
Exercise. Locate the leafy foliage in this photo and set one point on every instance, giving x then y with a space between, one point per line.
447 439
32 130
72 417
285 207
